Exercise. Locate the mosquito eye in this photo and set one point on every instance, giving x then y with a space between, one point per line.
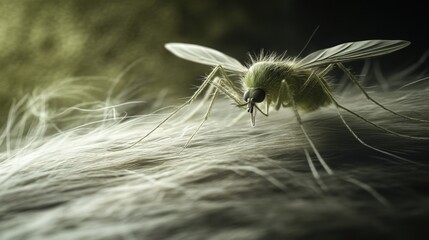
246 95
258 95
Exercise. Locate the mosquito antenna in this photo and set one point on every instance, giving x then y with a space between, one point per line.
308 42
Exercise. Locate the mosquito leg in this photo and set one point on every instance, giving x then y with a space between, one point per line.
354 181
220 85
226 86
414 82
298 118
328 92
232 92
206 82
200 104
380 127
326 70
314 171
230 89
361 141
338 106
204 119
267 107
234 87
306 83
356 82
369 190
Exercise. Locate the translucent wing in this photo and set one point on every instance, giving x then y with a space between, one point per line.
204 55
351 51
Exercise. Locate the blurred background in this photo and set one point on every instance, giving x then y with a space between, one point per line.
45 41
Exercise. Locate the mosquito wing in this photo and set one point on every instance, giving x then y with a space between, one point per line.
351 51
205 55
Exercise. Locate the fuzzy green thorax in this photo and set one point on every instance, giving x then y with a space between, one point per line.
304 86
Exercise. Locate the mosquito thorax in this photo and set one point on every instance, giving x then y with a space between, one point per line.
261 74
267 76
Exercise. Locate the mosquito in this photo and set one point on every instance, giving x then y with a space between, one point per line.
284 82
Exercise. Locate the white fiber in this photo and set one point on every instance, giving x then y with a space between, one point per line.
61 177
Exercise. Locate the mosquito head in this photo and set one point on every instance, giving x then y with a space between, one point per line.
253 96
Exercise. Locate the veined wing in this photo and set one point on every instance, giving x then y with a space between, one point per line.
351 51
205 55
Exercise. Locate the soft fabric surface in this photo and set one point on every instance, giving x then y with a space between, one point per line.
62 177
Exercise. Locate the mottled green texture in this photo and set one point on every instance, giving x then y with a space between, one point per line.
45 41
268 75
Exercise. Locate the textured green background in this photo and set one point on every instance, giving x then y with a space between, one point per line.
49 40
42 41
